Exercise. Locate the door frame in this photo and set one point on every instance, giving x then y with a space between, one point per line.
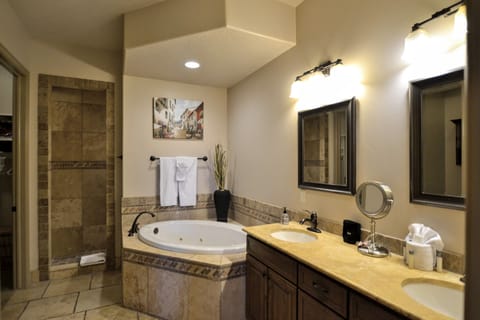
21 219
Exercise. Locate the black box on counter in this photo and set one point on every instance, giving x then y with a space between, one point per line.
351 231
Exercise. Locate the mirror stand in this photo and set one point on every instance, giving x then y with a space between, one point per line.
374 199
370 247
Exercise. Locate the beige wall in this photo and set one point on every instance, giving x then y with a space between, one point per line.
38 57
139 174
263 120
6 91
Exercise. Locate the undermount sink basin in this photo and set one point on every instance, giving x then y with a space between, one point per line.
443 297
293 236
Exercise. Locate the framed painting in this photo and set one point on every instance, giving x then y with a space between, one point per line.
177 119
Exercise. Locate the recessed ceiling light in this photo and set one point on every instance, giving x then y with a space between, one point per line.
192 64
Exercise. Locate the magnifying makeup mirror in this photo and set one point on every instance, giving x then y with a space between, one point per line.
374 199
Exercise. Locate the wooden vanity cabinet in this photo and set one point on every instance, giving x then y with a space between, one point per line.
311 309
271 290
256 289
363 308
329 292
280 288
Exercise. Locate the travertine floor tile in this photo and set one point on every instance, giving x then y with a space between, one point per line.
142 316
50 307
23 295
75 316
12 311
98 298
114 312
60 287
106 279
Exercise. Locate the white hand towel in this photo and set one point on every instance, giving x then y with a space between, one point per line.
436 242
414 229
186 177
168 183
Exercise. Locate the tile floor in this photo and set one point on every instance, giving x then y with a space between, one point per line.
94 296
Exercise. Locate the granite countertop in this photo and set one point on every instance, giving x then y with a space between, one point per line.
378 278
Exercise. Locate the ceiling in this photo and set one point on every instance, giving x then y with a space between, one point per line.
85 23
227 55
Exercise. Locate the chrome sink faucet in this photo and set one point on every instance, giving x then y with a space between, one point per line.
313 221
134 228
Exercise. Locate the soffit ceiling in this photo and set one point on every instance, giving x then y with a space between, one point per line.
227 56
84 23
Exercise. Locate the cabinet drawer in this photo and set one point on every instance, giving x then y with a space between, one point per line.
327 291
363 308
311 309
281 263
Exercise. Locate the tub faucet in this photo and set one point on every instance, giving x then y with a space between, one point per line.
464 278
134 228
313 220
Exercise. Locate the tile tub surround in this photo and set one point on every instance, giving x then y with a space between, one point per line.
250 212
173 285
75 169
379 279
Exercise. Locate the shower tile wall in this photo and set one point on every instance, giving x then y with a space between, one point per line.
77 123
316 149
76 168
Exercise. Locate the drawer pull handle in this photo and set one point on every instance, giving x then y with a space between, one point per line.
319 288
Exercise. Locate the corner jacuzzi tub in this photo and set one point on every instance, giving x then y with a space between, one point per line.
194 236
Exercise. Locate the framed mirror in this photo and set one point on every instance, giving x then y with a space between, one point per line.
436 144
326 148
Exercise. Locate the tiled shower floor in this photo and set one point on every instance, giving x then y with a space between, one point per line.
86 297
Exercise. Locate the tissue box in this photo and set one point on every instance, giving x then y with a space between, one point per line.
424 255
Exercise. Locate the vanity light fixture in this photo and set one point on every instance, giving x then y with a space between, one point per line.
460 24
417 42
192 64
297 87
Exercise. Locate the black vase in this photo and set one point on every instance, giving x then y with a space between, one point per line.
222 203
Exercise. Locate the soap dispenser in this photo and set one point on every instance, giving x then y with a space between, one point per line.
285 218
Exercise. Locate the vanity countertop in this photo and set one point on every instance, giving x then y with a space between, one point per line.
378 278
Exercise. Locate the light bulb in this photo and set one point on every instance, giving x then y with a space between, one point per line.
296 89
192 64
460 24
416 45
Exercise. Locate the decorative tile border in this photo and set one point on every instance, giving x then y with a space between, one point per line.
267 213
244 210
53 165
183 266
134 205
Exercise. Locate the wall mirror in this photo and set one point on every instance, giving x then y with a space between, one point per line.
326 148
436 144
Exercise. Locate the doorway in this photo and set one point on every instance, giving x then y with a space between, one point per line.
14 215
7 192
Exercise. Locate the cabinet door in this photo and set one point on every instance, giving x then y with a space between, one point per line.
256 289
311 309
282 298
362 308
